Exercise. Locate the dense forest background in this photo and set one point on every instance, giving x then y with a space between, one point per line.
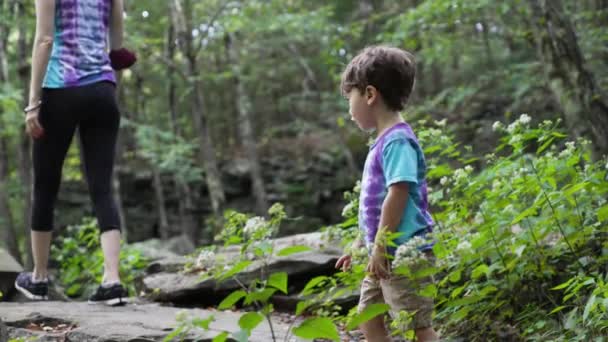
236 104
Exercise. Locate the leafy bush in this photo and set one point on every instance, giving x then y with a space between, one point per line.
81 260
520 243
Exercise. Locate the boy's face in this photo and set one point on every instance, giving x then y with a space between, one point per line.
360 110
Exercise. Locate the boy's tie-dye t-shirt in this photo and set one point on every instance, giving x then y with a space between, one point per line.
79 54
394 157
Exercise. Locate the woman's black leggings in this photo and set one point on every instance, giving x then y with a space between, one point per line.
93 109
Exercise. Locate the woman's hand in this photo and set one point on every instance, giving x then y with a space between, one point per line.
32 124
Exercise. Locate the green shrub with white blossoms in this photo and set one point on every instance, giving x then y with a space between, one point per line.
520 242
520 238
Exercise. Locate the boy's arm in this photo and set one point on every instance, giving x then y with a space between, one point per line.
392 212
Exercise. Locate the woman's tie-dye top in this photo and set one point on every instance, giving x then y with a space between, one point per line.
394 157
79 54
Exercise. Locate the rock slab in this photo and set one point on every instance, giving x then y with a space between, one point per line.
131 323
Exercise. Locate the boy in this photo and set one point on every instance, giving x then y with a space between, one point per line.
378 82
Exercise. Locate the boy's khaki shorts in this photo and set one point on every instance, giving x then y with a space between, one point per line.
399 292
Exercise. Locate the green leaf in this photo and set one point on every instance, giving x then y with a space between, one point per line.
232 299
461 313
250 320
428 291
564 285
590 305
241 335
278 281
557 309
203 323
235 269
455 276
260 295
545 145
317 327
571 320
174 334
480 270
293 250
301 306
528 212
367 314
602 213
313 283
221 337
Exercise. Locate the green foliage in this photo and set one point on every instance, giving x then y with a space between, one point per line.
531 218
80 258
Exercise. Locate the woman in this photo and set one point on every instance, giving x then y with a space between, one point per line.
73 86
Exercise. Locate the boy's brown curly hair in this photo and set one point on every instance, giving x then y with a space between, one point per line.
390 70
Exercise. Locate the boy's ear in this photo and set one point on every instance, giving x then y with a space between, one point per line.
371 93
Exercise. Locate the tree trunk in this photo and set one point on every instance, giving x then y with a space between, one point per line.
24 147
243 106
187 220
163 223
207 154
8 236
567 75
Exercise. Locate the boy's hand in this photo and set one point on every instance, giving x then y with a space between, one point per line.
344 262
378 264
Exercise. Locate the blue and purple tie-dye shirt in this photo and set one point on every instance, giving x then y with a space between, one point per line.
394 157
79 54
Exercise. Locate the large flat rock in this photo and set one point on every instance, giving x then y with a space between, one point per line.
9 269
132 323
166 282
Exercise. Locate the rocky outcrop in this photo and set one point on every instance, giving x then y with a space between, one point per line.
80 322
166 282
9 269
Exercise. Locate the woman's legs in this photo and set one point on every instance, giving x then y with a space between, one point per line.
41 245
110 244
98 134
48 155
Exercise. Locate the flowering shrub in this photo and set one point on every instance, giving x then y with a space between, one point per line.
519 237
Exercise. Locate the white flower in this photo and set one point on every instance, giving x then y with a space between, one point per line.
511 128
206 259
451 217
459 174
606 166
525 119
495 184
444 180
468 168
497 126
515 138
478 219
464 246
347 209
441 123
181 316
253 225
409 253
570 145
433 132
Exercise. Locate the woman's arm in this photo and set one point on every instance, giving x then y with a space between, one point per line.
43 44
116 25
